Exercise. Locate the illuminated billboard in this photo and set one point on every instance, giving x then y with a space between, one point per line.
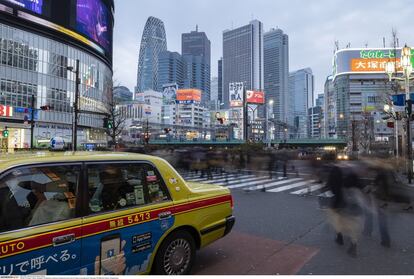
366 61
35 6
89 22
92 20
188 96
255 97
236 94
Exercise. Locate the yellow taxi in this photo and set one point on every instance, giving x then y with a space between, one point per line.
104 214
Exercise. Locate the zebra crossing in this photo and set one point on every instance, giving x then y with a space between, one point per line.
252 182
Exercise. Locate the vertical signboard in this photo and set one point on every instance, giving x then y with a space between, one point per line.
236 94
6 111
169 93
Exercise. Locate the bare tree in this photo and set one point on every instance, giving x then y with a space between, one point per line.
116 119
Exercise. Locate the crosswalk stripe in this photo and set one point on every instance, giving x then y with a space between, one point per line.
279 182
248 183
237 179
206 178
308 190
288 187
326 194
188 175
233 178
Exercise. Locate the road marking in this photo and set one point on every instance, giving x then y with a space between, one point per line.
206 178
279 182
255 182
308 189
288 187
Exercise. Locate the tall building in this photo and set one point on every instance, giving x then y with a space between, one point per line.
153 42
330 108
196 50
356 99
197 44
171 69
243 57
220 80
122 94
276 75
301 89
38 59
320 100
198 76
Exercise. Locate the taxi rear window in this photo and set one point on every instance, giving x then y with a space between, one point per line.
113 186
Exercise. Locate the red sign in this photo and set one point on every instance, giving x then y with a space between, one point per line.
6 111
189 95
255 97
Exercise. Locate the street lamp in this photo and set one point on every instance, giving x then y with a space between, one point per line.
390 69
75 105
270 104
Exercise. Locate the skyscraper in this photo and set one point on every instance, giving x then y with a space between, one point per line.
152 43
276 74
196 51
243 57
171 69
220 80
301 88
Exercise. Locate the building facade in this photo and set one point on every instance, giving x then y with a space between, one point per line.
171 69
276 75
301 88
360 90
220 80
38 60
122 94
153 42
315 118
243 58
196 50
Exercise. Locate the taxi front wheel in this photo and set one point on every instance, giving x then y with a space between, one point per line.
176 254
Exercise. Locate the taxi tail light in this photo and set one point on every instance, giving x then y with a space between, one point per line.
231 202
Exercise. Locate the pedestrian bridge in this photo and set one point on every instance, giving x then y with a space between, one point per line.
289 143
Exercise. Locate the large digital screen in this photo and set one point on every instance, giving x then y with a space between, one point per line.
92 20
35 6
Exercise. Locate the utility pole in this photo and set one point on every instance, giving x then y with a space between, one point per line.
245 115
32 122
76 108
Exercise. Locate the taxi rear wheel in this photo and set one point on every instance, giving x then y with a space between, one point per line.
176 254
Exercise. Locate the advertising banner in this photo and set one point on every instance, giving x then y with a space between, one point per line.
188 96
35 6
92 20
169 93
236 94
6 111
255 97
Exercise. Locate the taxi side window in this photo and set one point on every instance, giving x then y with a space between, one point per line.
118 186
37 195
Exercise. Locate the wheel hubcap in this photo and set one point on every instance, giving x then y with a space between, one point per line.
177 257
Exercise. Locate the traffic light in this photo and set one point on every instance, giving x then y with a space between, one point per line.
47 107
107 123
167 130
5 132
146 138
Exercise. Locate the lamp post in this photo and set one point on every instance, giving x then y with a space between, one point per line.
407 67
270 104
75 105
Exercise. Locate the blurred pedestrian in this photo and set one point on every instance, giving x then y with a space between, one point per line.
346 209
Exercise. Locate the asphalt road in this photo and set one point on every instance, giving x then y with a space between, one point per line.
278 233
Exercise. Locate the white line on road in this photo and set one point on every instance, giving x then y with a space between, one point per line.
288 187
308 190
280 182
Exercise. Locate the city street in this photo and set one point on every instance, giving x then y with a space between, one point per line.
280 233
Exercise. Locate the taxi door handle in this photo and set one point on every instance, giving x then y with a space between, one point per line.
64 239
164 215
